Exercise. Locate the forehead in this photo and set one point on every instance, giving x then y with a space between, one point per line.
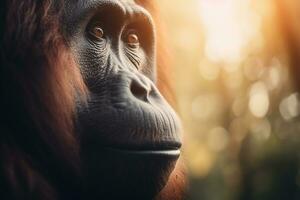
129 1
72 6
78 12
84 2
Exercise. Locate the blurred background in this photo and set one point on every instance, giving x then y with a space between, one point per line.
237 72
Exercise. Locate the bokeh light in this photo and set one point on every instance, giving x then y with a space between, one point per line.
236 64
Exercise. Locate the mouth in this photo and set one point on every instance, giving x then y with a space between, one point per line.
168 153
165 149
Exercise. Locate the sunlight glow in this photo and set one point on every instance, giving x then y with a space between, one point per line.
229 26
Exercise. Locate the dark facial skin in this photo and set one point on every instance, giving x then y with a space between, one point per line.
129 134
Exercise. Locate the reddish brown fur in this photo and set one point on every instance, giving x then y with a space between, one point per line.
38 80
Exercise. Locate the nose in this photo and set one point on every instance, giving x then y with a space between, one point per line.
140 88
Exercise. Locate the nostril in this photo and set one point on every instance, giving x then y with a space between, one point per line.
139 90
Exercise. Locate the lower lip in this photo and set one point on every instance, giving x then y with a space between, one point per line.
168 153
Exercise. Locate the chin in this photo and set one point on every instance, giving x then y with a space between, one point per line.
130 174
